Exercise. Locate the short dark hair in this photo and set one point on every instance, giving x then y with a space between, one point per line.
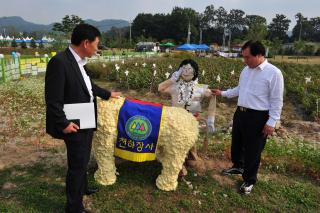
256 48
83 32
194 66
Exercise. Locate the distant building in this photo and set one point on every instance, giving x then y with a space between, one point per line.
147 47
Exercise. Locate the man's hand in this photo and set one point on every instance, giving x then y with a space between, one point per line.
267 130
116 94
72 127
216 92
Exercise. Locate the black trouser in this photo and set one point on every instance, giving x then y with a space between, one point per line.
248 141
78 152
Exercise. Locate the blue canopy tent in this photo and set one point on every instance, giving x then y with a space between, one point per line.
193 47
20 41
41 41
203 47
29 41
186 47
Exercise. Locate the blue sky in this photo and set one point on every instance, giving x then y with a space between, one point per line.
48 11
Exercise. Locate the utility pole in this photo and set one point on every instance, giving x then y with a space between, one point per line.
200 42
130 33
189 33
300 29
224 38
229 42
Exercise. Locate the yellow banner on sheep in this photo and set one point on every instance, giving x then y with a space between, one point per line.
138 157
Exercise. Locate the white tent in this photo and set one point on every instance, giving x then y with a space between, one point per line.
8 38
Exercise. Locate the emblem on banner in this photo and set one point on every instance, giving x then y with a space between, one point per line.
138 128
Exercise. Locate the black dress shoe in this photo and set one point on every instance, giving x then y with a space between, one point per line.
91 191
85 211
81 211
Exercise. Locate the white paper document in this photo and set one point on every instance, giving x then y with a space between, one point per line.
84 112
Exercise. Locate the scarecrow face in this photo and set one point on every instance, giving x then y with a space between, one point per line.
187 72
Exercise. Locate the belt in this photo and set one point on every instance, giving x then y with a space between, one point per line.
244 109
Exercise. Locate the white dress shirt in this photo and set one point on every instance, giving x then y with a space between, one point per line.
81 62
260 88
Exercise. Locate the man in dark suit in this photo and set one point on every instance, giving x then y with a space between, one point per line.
66 82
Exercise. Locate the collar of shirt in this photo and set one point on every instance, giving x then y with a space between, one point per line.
262 65
79 60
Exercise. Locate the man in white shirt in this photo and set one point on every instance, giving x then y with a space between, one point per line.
260 101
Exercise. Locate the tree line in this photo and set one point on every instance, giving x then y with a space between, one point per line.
214 21
213 25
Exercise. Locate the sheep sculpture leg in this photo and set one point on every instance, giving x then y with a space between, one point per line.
104 154
104 141
178 133
172 163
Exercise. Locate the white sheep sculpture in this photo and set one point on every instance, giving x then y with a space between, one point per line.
178 133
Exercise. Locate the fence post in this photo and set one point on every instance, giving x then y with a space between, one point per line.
47 58
20 70
3 65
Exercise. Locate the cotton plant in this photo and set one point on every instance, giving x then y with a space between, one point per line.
167 75
153 79
308 79
170 67
203 72
127 75
218 78
117 67
154 65
144 64
232 72
136 64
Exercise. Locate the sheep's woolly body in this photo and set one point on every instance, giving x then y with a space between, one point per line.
178 133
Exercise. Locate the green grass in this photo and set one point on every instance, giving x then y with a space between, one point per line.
40 187
291 156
